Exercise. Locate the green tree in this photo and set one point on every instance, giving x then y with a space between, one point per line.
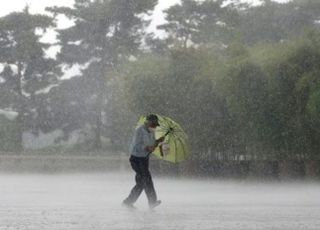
194 22
274 22
104 34
177 86
27 69
245 89
292 69
313 121
7 134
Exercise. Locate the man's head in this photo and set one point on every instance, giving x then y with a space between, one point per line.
152 121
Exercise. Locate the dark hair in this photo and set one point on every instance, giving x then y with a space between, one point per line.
153 118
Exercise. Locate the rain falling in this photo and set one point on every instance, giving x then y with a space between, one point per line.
158 114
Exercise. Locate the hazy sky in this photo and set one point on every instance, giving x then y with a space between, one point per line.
39 6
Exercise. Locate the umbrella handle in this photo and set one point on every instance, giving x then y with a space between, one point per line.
161 151
169 131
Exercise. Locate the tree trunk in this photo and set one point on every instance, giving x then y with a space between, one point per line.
99 107
97 139
20 119
98 128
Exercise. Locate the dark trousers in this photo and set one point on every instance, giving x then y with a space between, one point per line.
143 180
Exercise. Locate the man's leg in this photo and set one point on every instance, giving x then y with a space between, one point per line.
137 189
148 183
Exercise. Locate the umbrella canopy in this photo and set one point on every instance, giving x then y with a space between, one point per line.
175 147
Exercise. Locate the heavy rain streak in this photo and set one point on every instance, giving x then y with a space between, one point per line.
160 114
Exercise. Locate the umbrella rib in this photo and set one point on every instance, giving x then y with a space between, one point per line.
167 121
178 139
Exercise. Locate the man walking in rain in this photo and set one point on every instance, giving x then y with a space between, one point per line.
143 144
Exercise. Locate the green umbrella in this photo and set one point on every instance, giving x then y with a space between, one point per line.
175 147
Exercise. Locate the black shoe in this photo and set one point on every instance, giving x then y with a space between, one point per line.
128 205
155 204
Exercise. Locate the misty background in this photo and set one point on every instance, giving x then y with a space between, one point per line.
242 78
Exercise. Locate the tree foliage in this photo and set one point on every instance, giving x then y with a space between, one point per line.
104 33
242 80
27 71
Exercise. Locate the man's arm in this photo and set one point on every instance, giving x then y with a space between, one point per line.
157 142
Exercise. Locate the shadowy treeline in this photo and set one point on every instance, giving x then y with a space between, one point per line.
242 80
